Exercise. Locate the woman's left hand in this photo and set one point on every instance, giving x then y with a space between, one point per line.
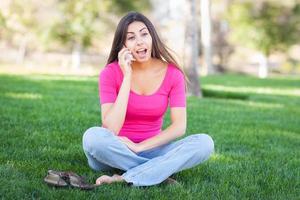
131 145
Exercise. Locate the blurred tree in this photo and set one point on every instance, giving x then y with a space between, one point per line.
75 25
6 34
79 22
20 25
2 20
265 26
122 6
2 24
206 36
222 48
179 28
191 63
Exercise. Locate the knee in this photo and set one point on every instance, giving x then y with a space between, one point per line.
209 142
93 137
204 143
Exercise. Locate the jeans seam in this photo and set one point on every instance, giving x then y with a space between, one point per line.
102 160
138 173
189 141
93 156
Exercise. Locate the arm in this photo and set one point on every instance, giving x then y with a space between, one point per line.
113 114
178 115
177 101
175 130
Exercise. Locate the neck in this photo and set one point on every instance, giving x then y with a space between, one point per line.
143 65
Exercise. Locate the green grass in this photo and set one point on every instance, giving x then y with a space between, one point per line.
255 125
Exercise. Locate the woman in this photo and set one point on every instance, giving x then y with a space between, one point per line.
139 82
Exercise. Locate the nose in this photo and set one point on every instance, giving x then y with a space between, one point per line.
139 41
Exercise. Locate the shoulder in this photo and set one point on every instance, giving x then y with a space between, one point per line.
175 77
175 72
110 69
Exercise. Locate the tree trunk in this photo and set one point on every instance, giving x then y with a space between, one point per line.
191 52
179 30
22 50
206 36
76 56
263 66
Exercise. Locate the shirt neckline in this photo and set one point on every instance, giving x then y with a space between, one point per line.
157 90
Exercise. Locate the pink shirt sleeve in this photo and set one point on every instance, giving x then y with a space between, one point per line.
177 93
107 86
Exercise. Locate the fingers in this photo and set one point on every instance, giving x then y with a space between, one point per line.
128 56
124 49
125 59
123 138
125 55
123 52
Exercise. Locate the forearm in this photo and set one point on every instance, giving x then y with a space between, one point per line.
169 134
114 119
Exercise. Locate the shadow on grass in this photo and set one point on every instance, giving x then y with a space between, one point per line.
236 80
224 95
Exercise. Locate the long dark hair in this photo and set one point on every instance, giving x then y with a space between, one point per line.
159 50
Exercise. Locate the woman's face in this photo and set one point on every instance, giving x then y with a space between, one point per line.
139 41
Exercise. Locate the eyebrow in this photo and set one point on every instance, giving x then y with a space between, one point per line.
139 31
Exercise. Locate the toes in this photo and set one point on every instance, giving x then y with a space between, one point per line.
103 179
98 181
108 180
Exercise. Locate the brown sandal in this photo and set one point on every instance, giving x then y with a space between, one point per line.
61 179
79 182
55 180
171 181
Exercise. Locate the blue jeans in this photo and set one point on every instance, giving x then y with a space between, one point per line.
105 151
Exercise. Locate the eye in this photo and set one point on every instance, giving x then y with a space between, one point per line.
130 38
144 34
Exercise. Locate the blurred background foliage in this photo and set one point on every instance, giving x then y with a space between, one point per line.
266 26
67 33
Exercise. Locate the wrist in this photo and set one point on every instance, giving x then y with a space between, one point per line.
127 76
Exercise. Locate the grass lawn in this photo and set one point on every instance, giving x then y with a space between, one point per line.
255 125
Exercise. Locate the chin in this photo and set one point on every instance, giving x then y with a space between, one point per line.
144 60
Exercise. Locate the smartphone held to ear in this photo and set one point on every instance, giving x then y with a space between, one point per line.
129 57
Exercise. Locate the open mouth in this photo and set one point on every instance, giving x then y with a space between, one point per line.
141 52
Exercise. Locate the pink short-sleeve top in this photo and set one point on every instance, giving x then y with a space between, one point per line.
144 115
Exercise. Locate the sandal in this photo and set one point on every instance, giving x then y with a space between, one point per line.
60 178
55 180
79 182
171 181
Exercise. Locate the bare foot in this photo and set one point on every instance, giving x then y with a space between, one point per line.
109 179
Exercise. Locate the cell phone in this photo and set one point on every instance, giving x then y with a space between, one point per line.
129 56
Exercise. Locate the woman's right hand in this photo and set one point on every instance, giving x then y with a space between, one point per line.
125 59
